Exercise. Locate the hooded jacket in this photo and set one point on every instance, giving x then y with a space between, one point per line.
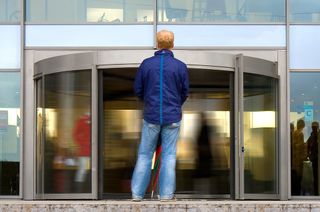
162 83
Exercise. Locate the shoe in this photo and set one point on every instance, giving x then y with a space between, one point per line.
136 199
173 199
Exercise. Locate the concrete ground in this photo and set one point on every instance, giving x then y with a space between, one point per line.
155 206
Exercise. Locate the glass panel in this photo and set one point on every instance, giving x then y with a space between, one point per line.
10 10
260 124
40 136
82 11
305 11
272 11
10 125
203 152
304 47
67 148
228 35
304 136
88 35
10 47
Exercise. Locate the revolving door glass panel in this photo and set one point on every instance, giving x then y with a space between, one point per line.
203 149
64 154
260 134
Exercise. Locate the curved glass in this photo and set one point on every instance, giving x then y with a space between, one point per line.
254 11
83 11
10 126
304 133
305 11
259 128
203 148
66 151
10 11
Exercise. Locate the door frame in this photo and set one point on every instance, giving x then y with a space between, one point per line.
96 60
231 195
245 64
63 64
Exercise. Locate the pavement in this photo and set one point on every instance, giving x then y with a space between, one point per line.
157 206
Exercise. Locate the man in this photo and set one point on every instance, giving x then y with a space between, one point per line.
162 83
298 156
312 153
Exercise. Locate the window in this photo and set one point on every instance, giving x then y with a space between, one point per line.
305 11
95 11
10 11
304 133
254 11
10 124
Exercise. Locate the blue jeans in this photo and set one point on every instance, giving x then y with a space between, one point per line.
141 175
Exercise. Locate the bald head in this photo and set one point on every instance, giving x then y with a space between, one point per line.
165 39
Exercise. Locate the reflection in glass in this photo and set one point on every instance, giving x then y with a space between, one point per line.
9 133
203 152
81 11
272 11
305 11
259 126
40 134
304 122
66 152
10 10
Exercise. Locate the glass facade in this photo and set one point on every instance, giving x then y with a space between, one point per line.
64 133
271 11
10 125
89 11
305 11
10 11
304 132
10 46
89 35
304 46
63 100
227 35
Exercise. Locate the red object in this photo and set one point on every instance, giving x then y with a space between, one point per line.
82 135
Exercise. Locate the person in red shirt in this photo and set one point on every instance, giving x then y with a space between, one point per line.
82 137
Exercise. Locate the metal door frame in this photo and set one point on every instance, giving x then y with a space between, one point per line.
96 60
102 195
260 67
60 64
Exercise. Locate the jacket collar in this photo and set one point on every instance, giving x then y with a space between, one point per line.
164 51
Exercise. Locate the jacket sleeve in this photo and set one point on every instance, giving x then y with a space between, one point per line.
185 84
138 83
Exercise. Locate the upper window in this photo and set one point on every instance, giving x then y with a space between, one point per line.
83 11
10 11
305 11
252 11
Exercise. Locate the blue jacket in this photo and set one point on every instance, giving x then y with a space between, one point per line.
162 83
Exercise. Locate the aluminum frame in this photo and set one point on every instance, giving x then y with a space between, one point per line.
189 65
250 65
60 64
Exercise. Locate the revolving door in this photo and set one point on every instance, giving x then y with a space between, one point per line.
89 125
